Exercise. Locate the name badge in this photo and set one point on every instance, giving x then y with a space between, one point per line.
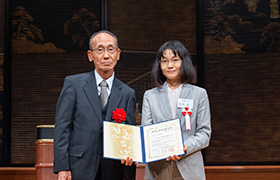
182 103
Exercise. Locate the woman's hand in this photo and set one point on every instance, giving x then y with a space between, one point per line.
175 157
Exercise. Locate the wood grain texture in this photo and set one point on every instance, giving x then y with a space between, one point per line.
145 25
2 26
44 160
244 96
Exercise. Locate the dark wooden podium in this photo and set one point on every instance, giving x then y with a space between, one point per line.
44 153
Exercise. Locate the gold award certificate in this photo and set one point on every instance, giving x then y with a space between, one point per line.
121 141
162 140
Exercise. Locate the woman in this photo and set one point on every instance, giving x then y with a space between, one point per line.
174 97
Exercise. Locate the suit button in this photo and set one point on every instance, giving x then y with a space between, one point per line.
98 152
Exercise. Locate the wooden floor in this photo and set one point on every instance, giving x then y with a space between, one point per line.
242 172
212 173
12 173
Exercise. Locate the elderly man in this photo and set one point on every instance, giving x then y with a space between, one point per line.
85 101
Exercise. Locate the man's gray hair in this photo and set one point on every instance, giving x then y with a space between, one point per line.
103 31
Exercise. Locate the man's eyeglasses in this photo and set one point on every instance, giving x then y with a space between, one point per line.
101 50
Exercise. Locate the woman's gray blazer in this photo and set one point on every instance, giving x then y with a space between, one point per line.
156 108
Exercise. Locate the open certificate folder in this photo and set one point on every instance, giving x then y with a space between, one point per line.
143 144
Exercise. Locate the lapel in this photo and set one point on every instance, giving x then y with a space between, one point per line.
115 98
185 91
164 102
91 92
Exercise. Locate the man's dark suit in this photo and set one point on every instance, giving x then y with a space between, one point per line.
78 127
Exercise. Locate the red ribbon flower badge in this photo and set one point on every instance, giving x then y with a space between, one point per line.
187 113
119 115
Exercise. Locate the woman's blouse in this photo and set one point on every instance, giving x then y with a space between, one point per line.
173 95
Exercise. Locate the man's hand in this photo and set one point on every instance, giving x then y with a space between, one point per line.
175 157
128 161
64 175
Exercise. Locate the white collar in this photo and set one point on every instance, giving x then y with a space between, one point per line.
109 80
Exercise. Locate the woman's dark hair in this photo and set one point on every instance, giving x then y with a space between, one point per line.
187 69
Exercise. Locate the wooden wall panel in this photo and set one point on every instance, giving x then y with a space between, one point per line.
244 96
242 78
36 82
2 22
2 28
51 46
145 25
